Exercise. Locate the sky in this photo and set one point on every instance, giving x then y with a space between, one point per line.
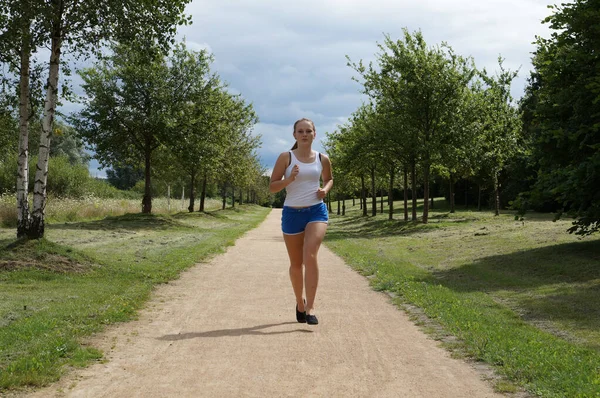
289 58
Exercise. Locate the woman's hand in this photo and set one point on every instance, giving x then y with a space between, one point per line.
294 173
321 193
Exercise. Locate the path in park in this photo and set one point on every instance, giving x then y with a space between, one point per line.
227 328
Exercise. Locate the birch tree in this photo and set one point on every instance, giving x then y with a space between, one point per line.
21 32
82 27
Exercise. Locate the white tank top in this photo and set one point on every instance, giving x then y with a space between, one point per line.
303 190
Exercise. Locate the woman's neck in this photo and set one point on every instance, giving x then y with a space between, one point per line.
304 150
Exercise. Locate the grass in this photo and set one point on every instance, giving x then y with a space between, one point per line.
88 274
520 295
92 208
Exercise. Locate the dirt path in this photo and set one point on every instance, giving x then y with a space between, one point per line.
227 329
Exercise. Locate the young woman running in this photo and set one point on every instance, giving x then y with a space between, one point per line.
304 218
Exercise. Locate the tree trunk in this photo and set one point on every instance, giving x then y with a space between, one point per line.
479 197
452 210
203 194
353 201
224 195
497 194
147 200
338 205
381 201
36 228
373 194
426 171
329 202
192 192
391 195
466 193
405 193
413 181
241 196
344 206
363 196
23 161
169 197
232 197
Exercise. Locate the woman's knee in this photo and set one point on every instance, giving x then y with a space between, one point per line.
310 258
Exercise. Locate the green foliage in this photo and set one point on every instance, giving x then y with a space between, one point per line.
124 177
8 126
422 115
187 128
66 179
561 109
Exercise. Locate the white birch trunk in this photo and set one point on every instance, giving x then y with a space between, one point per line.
23 217
41 174
169 198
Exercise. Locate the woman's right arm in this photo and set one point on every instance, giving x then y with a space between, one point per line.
277 181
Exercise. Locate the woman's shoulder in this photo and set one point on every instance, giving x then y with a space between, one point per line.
323 156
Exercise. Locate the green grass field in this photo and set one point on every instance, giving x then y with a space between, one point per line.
521 295
89 274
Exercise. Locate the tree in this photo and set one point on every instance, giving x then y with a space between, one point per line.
562 106
128 110
498 139
82 27
425 86
21 32
235 163
200 107
124 177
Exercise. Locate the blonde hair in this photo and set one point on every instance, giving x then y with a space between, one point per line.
295 124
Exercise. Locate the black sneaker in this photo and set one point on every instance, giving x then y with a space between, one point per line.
311 319
300 316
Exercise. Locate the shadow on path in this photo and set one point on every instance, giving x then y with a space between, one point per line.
255 330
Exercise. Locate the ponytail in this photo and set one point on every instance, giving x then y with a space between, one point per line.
295 146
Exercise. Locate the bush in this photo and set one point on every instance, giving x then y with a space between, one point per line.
103 189
66 179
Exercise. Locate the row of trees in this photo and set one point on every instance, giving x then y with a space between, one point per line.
431 112
64 26
150 104
171 115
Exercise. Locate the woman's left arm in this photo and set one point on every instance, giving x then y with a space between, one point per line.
327 176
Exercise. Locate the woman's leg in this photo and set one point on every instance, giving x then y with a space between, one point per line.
294 245
313 236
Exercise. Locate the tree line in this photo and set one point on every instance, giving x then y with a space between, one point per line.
432 114
150 103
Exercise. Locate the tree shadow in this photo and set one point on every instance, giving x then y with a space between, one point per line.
130 221
370 227
254 330
554 283
218 214
564 263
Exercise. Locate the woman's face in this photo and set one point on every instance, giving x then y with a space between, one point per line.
304 133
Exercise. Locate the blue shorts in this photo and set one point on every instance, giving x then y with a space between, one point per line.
294 221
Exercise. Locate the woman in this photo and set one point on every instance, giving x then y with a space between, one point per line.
304 218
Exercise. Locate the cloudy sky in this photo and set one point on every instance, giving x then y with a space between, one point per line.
289 58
